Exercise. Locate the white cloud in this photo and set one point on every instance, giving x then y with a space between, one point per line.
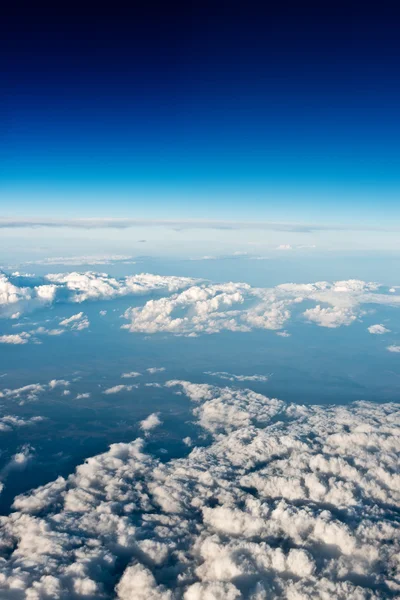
78 287
10 422
102 259
15 338
54 383
378 329
130 374
212 308
83 396
32 391
284 247
76 322
283 334
286 501
231 377
153 370
119 388
330 317
150 422
393 348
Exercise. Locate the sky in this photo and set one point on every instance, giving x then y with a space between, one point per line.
202 111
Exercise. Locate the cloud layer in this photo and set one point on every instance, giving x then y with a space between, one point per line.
212 308
284 501
20 293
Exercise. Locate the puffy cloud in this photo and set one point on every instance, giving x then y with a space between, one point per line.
19 293
10 422
83 396
378 329
150 422
153 370
285 501
211 308
76 322
18 462
95 286
15 338
330 317
119 388
58 383
393 348
33 390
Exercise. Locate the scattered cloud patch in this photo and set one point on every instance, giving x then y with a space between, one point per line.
130 375
378 329
151 422
15 338
231 377
393 348
116 389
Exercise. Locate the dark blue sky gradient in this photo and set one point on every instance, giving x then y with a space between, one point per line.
208 104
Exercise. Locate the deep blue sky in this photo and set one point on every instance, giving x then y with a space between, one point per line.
202 109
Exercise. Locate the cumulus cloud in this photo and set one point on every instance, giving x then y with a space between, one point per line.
150 422
207 308
20 293
119 388
76 322
33 390
285 501
378 329
393 348
330 317
153 370
11 422
18 462
15 338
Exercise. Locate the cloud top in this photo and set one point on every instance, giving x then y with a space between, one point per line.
284 501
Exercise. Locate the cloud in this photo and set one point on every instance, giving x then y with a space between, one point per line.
231 377
18 462
393 348
330 317
32 391
83 396
122 223
131 374
284 501
54 383
208 308
11 422
21 293
153 370
284 247
15 338
105 259
150 422
119 388
76 322
378 329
